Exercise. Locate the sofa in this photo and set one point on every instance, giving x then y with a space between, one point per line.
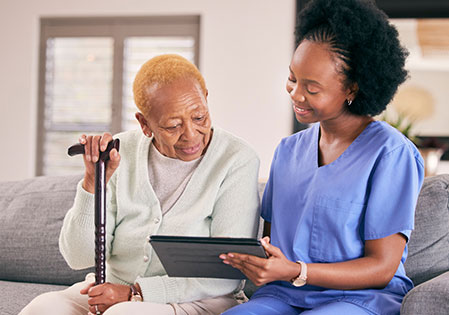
32 210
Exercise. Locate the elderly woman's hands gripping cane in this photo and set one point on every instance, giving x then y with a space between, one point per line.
99 151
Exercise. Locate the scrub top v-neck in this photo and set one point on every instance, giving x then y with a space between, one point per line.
324 214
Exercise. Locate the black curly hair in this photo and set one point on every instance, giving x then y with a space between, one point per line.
361 36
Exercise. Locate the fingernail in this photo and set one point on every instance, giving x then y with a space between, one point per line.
103 147
94 158
262 241
231 255
226 262
88 158
222 256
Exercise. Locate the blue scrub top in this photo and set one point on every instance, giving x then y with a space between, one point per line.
325 214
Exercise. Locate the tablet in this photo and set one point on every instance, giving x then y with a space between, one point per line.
187 256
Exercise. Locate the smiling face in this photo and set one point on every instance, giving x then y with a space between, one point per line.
315 84
178 118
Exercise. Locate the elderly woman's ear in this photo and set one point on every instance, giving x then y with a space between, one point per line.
143 124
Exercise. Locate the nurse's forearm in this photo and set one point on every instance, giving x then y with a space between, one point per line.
374 270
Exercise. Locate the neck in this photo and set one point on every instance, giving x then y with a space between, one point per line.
345 128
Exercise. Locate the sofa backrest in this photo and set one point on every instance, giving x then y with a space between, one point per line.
31 215
428 248
32 211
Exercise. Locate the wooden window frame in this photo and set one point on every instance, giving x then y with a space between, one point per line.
118 28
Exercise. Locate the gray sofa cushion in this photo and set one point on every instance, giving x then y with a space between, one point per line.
31 215
429 243
16 295
431 297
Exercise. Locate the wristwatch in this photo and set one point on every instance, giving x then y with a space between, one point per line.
301 279
135 295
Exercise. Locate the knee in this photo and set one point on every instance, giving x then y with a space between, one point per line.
118 309
42 304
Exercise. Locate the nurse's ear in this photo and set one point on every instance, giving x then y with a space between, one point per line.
351 92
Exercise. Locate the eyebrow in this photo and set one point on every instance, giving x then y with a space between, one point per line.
306 80
311 81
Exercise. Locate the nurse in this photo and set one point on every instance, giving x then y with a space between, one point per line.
341 194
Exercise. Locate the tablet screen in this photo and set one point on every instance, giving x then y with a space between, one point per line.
188 256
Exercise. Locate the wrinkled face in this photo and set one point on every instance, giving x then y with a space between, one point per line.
315 86
179 119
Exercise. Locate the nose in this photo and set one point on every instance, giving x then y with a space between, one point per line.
296 93
189 131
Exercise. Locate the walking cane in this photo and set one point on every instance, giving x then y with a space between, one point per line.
100 206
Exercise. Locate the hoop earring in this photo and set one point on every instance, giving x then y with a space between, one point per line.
349 102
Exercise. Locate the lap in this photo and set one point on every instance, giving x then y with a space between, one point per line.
338 308
71 302
264 306
273 306
68 301
210 306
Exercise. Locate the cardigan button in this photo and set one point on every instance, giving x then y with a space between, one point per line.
145 258
156 220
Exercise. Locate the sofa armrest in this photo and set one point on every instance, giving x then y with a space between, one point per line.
430 297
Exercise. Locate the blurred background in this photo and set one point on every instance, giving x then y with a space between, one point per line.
67 68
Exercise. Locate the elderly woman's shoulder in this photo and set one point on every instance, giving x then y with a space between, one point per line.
225 141
131 139
129 135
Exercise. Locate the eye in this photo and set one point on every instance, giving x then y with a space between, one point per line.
172 128
199 118
291 79
312 90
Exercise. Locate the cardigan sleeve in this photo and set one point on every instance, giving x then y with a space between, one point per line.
77 237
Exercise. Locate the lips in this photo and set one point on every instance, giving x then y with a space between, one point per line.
190 150
301 110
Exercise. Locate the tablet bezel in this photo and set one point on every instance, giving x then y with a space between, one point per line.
198 257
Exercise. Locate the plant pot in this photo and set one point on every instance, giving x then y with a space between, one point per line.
431 158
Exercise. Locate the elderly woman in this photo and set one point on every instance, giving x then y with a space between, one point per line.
178 176
341 195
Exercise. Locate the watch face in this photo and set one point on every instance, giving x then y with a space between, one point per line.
299 282
136 298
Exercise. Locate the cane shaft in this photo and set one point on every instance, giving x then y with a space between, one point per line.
100 222
100 206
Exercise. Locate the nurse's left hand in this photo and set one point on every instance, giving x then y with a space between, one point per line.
263 270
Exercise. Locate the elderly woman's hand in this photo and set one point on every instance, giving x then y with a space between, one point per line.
263 270
93 145
103 296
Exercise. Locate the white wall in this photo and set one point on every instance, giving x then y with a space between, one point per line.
246 47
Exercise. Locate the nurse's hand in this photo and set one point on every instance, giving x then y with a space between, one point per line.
263 270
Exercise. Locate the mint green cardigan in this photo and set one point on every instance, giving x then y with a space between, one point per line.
221 199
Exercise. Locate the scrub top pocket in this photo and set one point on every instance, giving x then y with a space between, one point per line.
333 225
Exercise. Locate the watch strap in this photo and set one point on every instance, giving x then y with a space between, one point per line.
135 294
302 274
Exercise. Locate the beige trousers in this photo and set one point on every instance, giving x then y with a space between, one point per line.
71 302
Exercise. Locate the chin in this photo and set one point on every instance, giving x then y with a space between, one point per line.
301 120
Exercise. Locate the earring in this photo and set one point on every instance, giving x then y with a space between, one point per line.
349 102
